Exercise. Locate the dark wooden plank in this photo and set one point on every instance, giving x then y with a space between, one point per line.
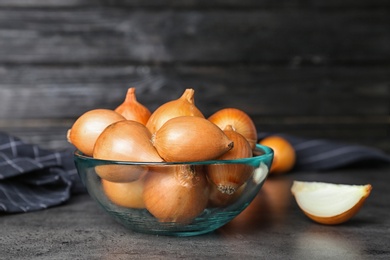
311 68
195 3
66 92
349 104
45 137
133 36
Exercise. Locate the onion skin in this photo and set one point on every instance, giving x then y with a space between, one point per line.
176 194
183 106
239 120
228 177
124 141
188 138
125 194
131 109
341 218
89 126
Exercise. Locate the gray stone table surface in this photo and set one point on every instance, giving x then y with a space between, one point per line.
272 227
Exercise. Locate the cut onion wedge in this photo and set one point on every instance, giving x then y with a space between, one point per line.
329 203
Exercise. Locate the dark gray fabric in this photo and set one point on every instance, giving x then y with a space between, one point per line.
32 178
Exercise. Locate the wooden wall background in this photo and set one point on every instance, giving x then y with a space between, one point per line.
316 68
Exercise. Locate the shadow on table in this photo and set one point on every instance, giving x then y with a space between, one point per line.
269 208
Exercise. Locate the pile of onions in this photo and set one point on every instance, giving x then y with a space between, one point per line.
177 131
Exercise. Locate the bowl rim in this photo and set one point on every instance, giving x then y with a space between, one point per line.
267 153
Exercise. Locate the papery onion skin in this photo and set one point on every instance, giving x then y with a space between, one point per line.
228 177
125 194
176 194
131 109
183 106
124 141
239 120
89 126
187 138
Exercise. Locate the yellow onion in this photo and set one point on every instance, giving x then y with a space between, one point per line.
228 177
239 120
131 109
284 154
183 106
176 193
89 126
124 141
125 194
217 198
188 138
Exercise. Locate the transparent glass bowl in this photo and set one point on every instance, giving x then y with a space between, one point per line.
178 199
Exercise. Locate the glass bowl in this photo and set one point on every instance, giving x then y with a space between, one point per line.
178 199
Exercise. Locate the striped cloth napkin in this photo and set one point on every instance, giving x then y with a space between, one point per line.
32 178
